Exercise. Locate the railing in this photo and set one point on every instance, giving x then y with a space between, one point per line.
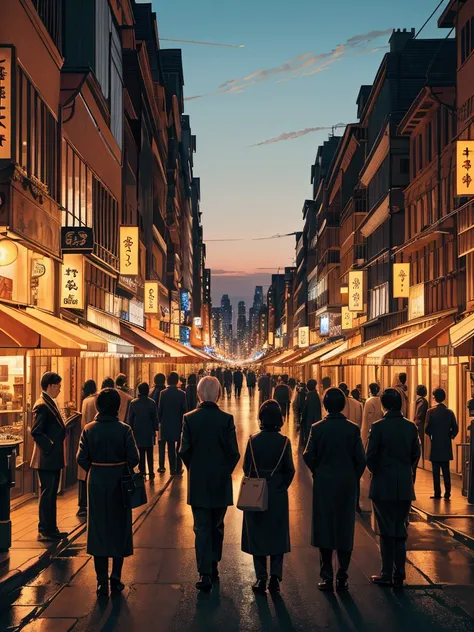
51 13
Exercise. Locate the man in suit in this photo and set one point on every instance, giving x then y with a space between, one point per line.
282 394
265 387
238 381
251 382
421 409
49 432
210 452
171 408
228 382
392 457
125 397
372 411
441 428
311 410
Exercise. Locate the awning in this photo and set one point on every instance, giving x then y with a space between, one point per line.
142 341
356 354
377 356
297 353
72 330
334 353
115 344
280 358
315 355
462 332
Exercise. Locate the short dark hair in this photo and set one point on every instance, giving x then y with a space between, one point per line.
108 383
344 388
270 414
355 394
403 378
392 400
284 378
439 394
192 378
311 385
143 388
89 388
421 390
374 388
108 402
121 380
159 379
173 379
326 382
334 400
49 379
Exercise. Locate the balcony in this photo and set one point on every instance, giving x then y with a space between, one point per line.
51 14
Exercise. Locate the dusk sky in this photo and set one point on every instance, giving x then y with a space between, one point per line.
301 68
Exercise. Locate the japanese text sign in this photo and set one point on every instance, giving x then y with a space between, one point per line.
5 103
401 280
129 250
151 297
465 167
347 319
77 239
303 337
72 282
356 291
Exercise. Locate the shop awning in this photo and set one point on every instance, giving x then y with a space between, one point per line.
297 353
462 331
115 344
356 354
331 355
143 342
72 330
179 352
376 356
316 354
279 359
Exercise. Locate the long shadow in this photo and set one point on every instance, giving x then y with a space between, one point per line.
352 611
282 614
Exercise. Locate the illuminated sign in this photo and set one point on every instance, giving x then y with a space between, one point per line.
184 300
77 239
303 336
72 282
416 302
347 318
129 250
197 321
356 291
136 313
185 335
152 300
401 280
271 338
464 167
324 325
5 103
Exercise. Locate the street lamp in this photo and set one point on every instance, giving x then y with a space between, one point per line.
8 252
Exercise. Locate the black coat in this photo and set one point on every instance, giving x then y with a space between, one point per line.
420 412
156 392
311 411
210 452
49 432
441 428
191 396
251 379
227 377
336 458
265 388
238 378
143 420
268 532
109 522
393 453
171 408
282 394
220 375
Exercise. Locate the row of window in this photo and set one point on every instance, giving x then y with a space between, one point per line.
467 40
423 146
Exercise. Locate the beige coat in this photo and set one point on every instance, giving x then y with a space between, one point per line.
372 413
353 411
125 400
89 411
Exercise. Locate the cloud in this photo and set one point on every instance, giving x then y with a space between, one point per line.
197 96
227 272
291 135
367 37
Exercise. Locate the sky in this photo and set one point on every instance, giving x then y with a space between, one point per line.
300 69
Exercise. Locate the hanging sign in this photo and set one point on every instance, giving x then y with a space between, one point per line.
464 167
356 291
72 282
347 318
77 239
151 297
129 250
303 336
5 103
401 280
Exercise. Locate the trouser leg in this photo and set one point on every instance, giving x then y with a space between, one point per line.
49 484
161 454
141 465
117 564
101 565
217 517
446 477
358 494
149 456
436 478
82 494
203 539
172 455
276 566
260 565
387 550
326 569
344 559
179 463
399 558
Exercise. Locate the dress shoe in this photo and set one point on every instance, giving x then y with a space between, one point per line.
179 472
260 586
204 583
435 497
341 585
215 571
381 580
326 585
103 590
398 584
61 534
274 584
447 496
359 510
152 477
116 586
162 470
49 537
82 512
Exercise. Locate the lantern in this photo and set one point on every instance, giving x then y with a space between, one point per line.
8 252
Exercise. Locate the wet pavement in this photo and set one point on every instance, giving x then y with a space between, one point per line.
160 578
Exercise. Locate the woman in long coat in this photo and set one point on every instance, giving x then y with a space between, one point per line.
107 451
336 458
267 533
88 412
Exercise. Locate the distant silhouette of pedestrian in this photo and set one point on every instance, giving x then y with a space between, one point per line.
441 428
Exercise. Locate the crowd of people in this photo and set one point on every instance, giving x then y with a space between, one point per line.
342 433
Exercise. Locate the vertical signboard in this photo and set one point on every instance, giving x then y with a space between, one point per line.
347 318
129 250
72 282
6 86
303 337
356 291
464 167
401 280
152 298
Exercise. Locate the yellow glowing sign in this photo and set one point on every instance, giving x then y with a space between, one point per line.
129 250
401 280
356 291
271 338
5 103
303 337
151 297
72 282
347 319
465 167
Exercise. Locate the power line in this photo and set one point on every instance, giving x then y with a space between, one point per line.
428 20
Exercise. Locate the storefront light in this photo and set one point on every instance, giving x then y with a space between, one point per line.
8 252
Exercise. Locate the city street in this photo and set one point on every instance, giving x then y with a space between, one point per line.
160 593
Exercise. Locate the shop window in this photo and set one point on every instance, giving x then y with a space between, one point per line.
12 408
378 301
29 280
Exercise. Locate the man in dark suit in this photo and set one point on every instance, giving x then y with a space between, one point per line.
441 428
421 408
228 382
49 432
238 381
392 457
171 408
210 452
251 382
265 387
311 410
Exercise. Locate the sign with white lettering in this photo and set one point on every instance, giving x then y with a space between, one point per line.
72 282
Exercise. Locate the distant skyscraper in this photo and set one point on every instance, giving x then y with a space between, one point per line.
255 337
226 308
242 330
217 329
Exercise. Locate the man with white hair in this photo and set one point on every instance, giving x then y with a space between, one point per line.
210 452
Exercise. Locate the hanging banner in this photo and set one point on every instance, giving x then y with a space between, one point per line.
77 239
464 167
5 103
129 250
401 280
347 318
72 282
152 297
303 337
356 291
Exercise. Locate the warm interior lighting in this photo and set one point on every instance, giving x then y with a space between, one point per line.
8 252
344 289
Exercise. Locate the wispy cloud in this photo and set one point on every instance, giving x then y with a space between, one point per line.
291 135
169 39
227 272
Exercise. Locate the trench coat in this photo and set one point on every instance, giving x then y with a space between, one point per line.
49 432
191 396
282 394
238 379
268 532
171 408
311 412
353 410
336 458
125 399
109 522
228 378
143 420
210 453
372 413
89 411
441 428
265 388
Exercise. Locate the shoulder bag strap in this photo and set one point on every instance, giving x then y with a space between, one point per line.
253 459
281 457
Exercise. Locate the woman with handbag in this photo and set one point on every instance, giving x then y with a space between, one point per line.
267 533
107 451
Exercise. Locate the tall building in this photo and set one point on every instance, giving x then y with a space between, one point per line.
217 328
254 320
226 307
242 331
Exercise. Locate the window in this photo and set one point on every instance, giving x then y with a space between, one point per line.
106 224
378 301
467 40
429 142
404 166
420 152
76 188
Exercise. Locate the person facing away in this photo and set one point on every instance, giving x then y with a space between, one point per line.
311 410
107 451
210 453
88 413
353 409
267 533
251 382
220 375
108 382
49 432
336 458
238 381
265 387
171 408
228 381
393 452
282 394
372 411
191 392
125 397
143 420
292 383
299 402
400 384
356 406
159 384
421 409
441 428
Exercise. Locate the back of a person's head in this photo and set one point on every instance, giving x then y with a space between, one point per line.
108 383
284 379
392 400
50 379
334 400
143 388
439 394
173 379
192 379
108 402
121 380
326 383
421 390
311 385
159 379
403 378
355 394
209 389
89 388
344 388
374 389
270 415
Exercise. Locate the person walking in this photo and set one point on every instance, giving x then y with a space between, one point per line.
311 411
143 420
228 382
238 381
48 432
393 452
299 403
267 534
372 412
251 382
421 410
191 392
88 413
353 408
441 428
265 387
125 397
159 382
171 408
356 407
292 383
400 384
107 451
210 453
282 394
336 458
